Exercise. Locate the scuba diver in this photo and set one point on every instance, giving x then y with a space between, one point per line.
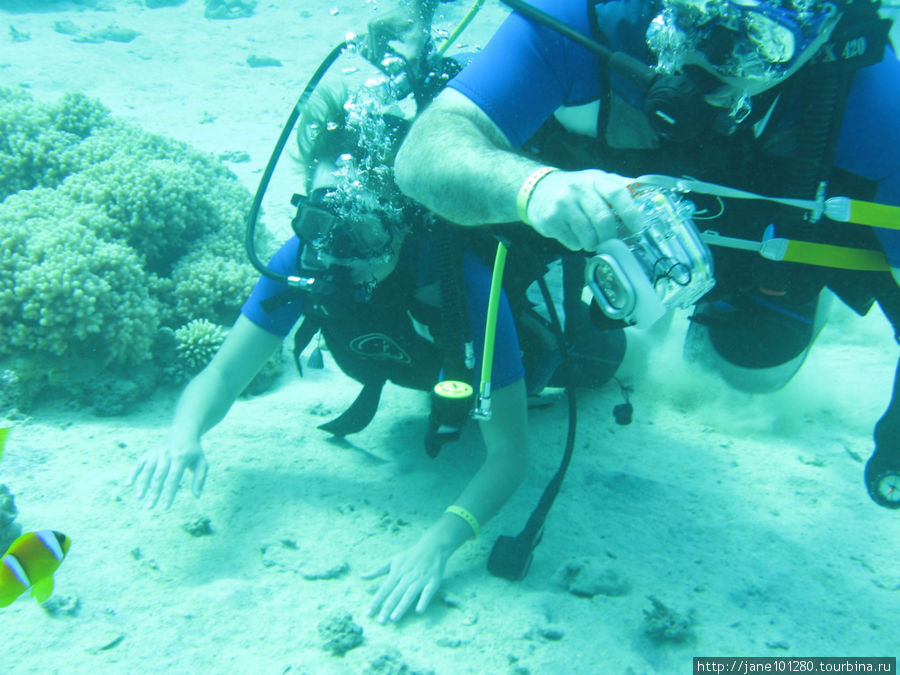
783 104
404 29
363 256
396 297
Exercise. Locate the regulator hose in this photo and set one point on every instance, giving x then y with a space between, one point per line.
253 216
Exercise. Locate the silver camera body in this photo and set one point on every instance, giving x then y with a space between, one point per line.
642 274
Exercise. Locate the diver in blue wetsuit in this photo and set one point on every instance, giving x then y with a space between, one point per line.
786 99
379 302
397 295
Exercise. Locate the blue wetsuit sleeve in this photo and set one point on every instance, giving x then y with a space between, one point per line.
280 319
508 366
869 143
526 71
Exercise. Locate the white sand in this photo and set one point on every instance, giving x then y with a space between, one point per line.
747 513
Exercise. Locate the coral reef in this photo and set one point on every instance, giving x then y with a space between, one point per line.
66 290
340 634
65 605
16 394
589 577
391 662
109 395
38 143
663 624
195 344
110 235
106 393
199 527
209 281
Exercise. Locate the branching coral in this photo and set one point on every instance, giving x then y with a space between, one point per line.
195 344
163 196
77 114
209 285
109 233
37 143
67 291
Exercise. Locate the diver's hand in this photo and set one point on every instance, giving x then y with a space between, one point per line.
159 471
414 576
582 209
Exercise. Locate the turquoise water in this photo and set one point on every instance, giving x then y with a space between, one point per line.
744 515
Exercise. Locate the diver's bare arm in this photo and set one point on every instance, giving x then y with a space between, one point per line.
506 440
457 162
209 396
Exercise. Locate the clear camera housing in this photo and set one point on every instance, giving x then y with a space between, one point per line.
639 276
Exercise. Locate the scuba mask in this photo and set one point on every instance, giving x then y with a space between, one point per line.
756 43
355 235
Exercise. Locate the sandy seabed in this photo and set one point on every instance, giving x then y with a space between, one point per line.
745 516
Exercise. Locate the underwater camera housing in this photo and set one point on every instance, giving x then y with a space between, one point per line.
664 264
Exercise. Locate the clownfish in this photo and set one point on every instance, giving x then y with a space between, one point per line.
30 563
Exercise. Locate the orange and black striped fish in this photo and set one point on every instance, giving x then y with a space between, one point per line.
30 563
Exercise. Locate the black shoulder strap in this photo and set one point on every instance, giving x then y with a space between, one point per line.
454 333
359 414
305 332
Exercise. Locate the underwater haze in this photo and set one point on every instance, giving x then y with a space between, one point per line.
718 523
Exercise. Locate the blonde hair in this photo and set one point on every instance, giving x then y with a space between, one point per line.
322 129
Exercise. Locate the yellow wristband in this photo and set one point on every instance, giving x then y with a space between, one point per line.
466 516
527 188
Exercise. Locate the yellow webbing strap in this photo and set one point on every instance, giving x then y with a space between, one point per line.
876 215
840 257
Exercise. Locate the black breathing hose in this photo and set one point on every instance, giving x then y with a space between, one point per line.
253 216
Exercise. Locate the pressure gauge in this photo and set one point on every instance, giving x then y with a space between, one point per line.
887 487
